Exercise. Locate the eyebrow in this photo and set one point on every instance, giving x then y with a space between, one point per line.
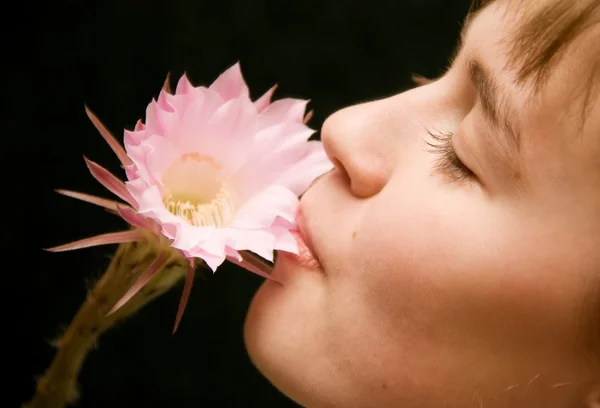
495 104
488 92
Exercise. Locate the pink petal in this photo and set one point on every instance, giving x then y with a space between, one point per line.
102 202
307 158
308 117
151 201
160 155
235 118
138 154
163 102
183 85
167 84
284 240
104 239
144 278
280 137
113 184
187 290
136 188
251 268
151 206
254 264
230 84
300 175
283 110
158 120
133 138
256 261
178 103
112 142
135 219
193 129
232 253
259 241
280 222
231 131
213 244
188 237
264 207
213 261
264 101
131 172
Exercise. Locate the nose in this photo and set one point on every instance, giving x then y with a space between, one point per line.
359 142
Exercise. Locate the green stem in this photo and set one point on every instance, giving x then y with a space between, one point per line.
58 386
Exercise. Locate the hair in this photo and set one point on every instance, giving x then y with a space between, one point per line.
545 31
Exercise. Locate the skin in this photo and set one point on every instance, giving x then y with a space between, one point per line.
438 292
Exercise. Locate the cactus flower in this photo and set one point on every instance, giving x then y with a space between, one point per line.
210 173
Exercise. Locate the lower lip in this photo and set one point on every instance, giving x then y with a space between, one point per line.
305 258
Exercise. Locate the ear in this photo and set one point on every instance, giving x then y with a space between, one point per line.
420 80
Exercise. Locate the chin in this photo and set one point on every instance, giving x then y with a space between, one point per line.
282 333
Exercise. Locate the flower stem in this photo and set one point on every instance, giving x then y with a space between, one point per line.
58 386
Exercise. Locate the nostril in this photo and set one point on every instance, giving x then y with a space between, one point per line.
342 170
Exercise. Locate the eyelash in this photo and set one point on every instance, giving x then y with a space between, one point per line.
448 163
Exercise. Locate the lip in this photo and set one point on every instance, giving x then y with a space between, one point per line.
306 257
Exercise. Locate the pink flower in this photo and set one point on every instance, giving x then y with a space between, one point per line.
211 173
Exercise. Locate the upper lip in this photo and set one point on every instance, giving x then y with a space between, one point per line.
304 231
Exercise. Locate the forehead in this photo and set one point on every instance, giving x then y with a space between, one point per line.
541 33
548 72
549 47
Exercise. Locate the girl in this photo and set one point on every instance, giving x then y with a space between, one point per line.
452 258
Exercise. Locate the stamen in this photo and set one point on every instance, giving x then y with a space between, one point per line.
218 212
197 191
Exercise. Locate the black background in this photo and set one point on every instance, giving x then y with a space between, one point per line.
114 55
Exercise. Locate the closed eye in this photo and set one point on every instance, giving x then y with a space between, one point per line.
448 163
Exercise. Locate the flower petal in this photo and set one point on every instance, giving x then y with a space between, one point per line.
230 84
158 120
259 241
188 237
264 101
160 153
243 263
185 295
228 134
110 139
284 240
283 110
213 261
151 206
193 129
183 85
113 184
256 175
283 136
144 278
136 188
311 165
104 239
262 209
102 202
135 219
167 84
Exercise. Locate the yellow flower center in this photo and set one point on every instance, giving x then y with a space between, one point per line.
196 190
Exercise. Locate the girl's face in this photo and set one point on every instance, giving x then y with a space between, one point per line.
459 275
